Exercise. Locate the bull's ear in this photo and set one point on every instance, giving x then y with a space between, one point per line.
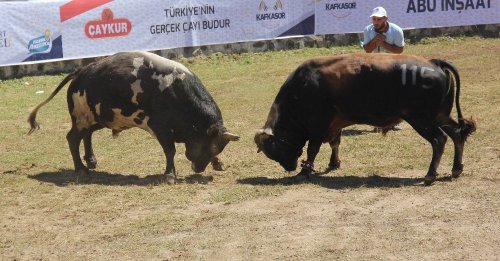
213 130
230 137
261 136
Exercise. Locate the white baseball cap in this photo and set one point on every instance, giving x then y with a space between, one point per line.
379 11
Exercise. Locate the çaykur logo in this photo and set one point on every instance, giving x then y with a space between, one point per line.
340 8
108 26
270 10
41 44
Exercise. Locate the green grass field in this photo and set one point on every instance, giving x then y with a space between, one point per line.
123 211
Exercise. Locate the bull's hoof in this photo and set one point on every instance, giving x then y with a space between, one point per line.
332 166
91 162
304 174
455 172
170 179
429 179
217 165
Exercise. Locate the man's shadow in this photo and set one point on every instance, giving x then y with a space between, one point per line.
341 182
66 177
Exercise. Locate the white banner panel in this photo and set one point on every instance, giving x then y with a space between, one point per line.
29 32
352 16
158 24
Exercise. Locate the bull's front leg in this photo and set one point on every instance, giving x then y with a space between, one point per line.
334 158
169 150
217 164
168 145
308 165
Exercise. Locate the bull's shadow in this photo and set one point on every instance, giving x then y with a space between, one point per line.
341 182
66 177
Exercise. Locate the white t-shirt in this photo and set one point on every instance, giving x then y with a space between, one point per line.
394 35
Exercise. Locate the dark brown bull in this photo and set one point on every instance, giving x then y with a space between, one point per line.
144 90
323 96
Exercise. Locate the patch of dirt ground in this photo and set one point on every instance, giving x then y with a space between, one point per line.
455 220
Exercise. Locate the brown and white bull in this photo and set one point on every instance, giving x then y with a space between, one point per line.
324 95
141 89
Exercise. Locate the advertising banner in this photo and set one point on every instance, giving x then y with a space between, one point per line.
51 30
352 16
86 28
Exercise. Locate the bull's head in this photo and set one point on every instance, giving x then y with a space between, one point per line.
200 151
283 135
278 148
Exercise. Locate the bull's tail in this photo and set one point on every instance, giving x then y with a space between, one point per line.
32 118
467 126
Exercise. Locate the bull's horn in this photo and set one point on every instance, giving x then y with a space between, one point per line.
264 133
230 137
268 131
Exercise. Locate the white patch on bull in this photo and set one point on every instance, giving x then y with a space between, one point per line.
121 122
151 65
167 80
137 62
163 81
136 89
97 108
81 111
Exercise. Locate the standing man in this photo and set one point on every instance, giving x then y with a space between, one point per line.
383 37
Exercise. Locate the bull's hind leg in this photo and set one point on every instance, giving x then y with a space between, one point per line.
437 138
74 138
89 156
458 136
